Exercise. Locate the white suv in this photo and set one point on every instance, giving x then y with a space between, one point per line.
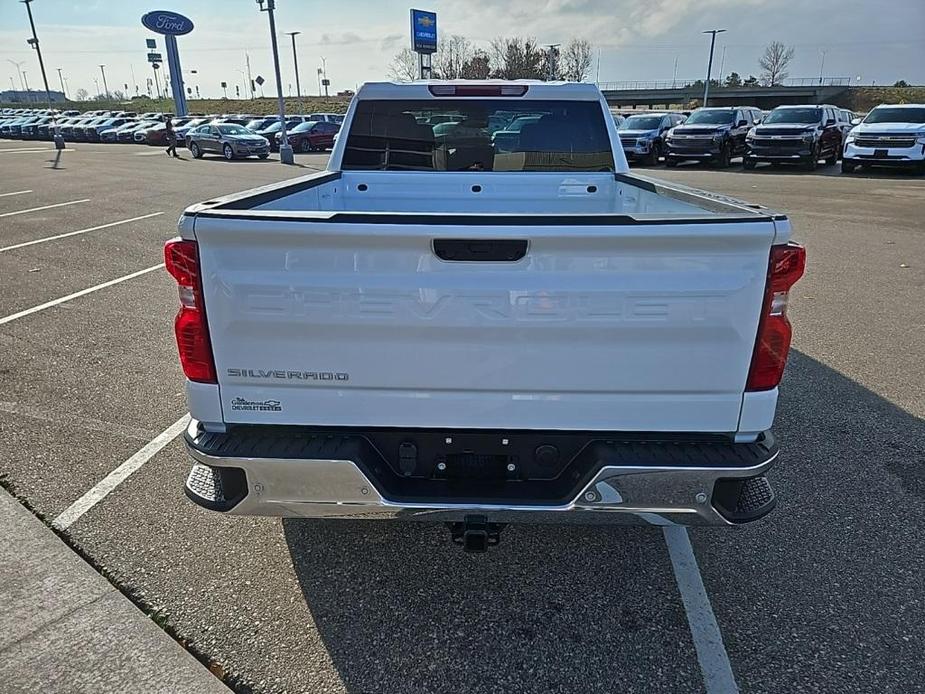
890 135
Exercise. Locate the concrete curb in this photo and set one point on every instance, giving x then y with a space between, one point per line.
65 628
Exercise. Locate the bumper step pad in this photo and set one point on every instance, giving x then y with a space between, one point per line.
216 488
744 500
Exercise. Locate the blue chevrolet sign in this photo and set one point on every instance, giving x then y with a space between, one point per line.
423 31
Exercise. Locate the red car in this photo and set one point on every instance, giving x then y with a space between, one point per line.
155 135
312 135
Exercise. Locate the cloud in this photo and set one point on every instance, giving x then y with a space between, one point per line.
392 42
345 39
639 39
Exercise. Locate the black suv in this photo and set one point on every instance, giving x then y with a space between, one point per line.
796 134
643 135
711 134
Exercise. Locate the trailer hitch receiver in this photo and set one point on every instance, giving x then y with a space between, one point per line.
476 534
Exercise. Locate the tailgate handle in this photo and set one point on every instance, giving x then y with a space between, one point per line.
484 250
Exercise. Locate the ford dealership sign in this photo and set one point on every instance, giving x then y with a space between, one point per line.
170 23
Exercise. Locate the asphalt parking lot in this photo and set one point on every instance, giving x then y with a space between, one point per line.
825 595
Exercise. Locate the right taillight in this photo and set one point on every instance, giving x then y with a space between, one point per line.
785 267
182 261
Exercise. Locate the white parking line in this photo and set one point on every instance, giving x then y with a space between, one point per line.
148 154
75 233
16 192
119 475
43 207
708 640
36 150
82 292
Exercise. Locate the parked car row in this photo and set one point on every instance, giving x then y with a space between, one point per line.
804 135
231 135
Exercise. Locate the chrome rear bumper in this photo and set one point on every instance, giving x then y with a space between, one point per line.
618 494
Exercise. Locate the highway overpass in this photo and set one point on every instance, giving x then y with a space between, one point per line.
664 95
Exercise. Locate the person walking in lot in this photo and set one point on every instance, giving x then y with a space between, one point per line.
171 138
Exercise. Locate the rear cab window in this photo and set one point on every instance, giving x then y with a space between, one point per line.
478 135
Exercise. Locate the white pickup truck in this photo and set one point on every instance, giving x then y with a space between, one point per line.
438 329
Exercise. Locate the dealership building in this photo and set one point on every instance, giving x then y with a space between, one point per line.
32 96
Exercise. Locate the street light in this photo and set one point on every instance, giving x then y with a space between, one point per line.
105 86
295 60
34 42
18 72
706 87
285 149
61 80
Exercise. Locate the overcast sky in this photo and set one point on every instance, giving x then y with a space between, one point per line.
878 42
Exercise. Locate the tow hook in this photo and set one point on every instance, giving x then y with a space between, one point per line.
476 534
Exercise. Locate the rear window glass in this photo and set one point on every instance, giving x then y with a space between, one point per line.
478 135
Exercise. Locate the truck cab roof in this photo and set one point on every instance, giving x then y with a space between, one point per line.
513 89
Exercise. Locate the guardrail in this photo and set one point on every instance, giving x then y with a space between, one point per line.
629 85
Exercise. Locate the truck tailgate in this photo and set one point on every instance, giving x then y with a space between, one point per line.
643 326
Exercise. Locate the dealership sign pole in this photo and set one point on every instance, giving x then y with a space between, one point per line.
171 25
424 39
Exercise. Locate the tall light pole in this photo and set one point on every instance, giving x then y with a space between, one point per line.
105 86
295 61
285 149
822 65
552 57
19 72
61 80
34 42
706 87
247 61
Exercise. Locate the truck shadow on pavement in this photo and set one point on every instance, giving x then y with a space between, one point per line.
551 609
571 608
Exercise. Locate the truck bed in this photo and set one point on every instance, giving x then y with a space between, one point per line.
587 196
598 301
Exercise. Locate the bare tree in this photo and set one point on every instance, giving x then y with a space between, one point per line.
452 53
404 66
82 94
774 63
478 67
516 58
575 61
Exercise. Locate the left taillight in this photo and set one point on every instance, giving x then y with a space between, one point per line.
785 266
181 258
